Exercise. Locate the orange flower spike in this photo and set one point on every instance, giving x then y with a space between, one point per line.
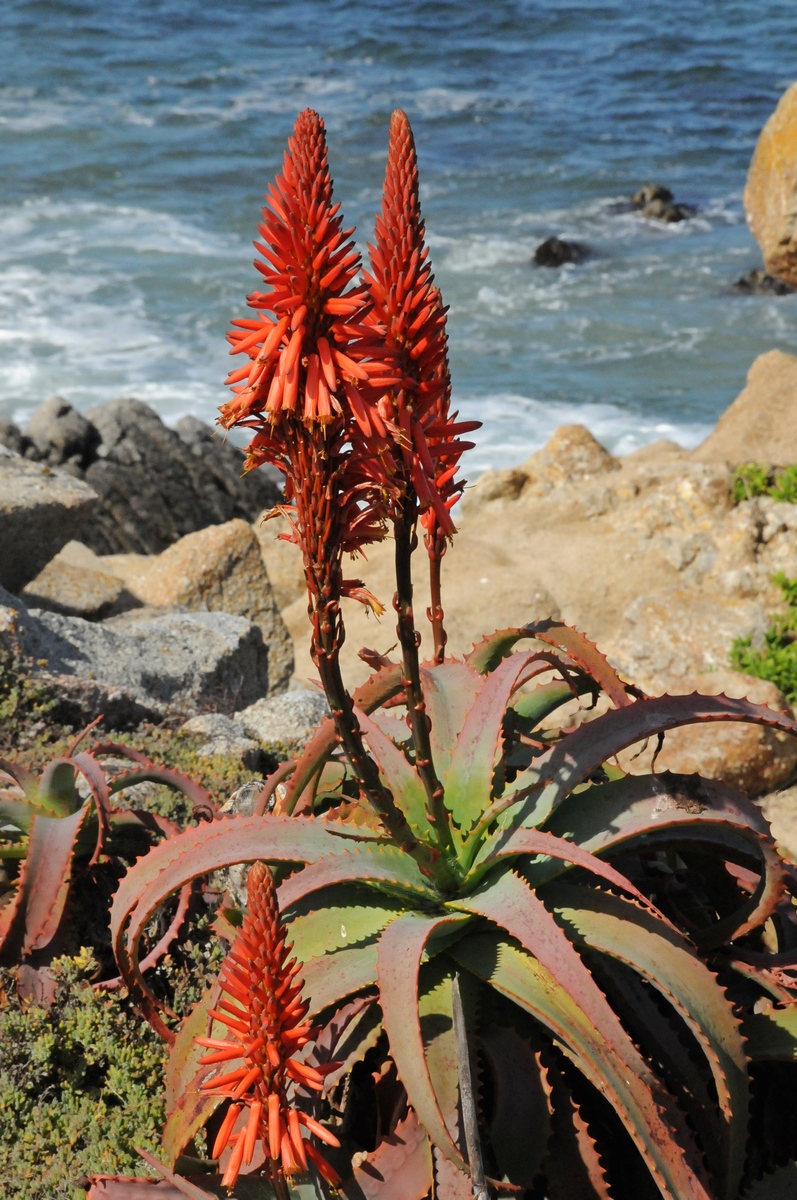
262 975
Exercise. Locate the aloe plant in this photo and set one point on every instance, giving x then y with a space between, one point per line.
53 833
527 970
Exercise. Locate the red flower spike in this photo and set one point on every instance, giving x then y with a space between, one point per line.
409 316
270 1029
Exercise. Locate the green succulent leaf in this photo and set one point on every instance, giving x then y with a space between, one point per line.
343 916
401 779
450 691
385 868
331 979
617 927
469 779
401 950
556 987
772 1035
58 793
521 1118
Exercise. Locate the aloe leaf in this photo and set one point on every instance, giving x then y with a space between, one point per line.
197 851
543 786
664 808
332 978
772 1035
353 1030
401 1166
346 916
449 690
449 1182
22 777
468 780
18 813
487 654
202 800
573 1168
542 844
617 927
57 791
534 706
30 921
378 688
556 987
435 1010
521 1116
387 866
401 779
400 951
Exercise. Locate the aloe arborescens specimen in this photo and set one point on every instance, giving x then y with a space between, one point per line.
604 931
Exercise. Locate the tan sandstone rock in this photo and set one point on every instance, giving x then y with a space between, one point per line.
283 560
761 424
77 591
770 195
749 757
219 568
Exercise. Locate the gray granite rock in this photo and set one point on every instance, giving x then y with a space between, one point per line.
60 434
285 723
180 662
41 509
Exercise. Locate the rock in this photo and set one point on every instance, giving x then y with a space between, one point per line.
61 435
12 438
74 591
213 725
662 450
154 484
681 631
555 252
749 757
758 283
285 723
283 560
218 569
761 424
40 510
670 214
227 739
780 809
650 192
770 195
181 662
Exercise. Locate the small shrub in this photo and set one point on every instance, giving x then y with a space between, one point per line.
777 661
754 479
785 487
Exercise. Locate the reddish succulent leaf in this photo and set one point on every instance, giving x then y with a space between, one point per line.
468 780
616 927
450 1182
22 776
401 1166
521 1117
94 775
380 864
402 780
487 654
30 921
197 851
594 1034
107 1187
670 807
161 946
332 978
401 948
540 842
378 688
183 1186
450 691
554 775
573 1169
201 799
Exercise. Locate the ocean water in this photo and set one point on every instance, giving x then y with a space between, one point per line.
136 141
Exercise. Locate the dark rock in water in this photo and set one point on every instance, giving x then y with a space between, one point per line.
658 203
555 252
154 484
650 192
61 435
664 210
758 283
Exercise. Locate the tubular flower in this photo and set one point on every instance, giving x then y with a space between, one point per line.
408 333
266 1016
300 389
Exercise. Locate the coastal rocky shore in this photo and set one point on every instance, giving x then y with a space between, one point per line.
651 555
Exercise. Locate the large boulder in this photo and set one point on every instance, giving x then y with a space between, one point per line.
219 568
154 487
761 424
40 510
284 724
75 591
154 484
146 667
283 560
770 195
749 757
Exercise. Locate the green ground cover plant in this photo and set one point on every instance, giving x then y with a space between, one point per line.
755 479
776 660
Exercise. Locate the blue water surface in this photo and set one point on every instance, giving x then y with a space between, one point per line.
136 140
